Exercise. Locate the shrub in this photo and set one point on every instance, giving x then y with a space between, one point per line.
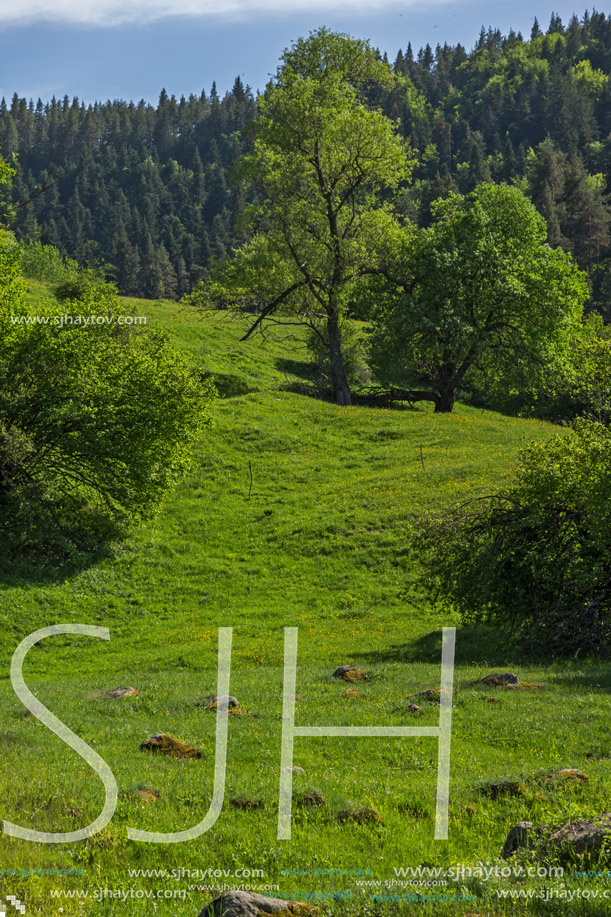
81 285
95 419
45 262
537 555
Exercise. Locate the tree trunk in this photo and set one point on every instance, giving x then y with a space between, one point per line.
341 389
445 402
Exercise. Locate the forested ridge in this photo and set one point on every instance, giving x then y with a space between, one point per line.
148 190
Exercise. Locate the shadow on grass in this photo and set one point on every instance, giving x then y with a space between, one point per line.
229 385
597 675
39 550
303 369
481 645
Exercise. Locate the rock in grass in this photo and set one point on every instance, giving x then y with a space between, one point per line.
566 842
507 680
117 693
146 794
248 904
232 702
502 679
430 694
503 788
312 798
168 745
354 675
351 692
524 834
344 669
244 803
364 816
414 708
567 775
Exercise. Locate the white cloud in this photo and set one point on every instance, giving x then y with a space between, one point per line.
120 12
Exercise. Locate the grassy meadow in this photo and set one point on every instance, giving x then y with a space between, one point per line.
319 539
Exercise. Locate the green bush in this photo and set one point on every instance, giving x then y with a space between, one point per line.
95 418
535 556
45 262
82 285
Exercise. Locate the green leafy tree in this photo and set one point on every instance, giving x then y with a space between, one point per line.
92 414
483 301
322 161
537 555
583 386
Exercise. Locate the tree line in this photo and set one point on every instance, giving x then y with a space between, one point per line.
148 190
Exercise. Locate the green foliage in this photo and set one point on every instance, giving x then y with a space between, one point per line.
321 161
146 189
6 173
482 301
45 262
12 291
536 556
80 285
355 351
92 414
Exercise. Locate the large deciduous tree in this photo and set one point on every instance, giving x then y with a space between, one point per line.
483 300
322 162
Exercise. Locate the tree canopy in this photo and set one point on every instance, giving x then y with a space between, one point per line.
483 300
322 162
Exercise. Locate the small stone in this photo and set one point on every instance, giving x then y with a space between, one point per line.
354 675
168 745
351 692
364 816
249 904
117 693
414 708
524 834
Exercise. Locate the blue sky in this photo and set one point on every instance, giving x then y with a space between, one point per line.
131 49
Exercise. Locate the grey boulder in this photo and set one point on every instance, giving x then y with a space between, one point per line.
248 904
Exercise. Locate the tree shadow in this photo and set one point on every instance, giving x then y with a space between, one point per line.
476 644
302 369
230 385
36 549
597 676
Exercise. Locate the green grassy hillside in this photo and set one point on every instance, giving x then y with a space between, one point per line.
319 539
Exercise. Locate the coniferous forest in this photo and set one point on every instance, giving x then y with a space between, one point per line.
149 193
